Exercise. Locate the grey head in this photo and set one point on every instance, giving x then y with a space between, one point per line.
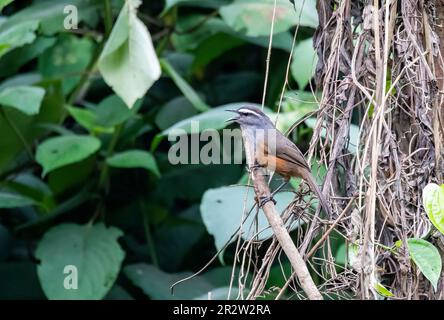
251 117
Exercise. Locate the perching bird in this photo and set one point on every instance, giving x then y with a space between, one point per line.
267 147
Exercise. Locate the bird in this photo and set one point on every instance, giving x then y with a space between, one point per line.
267 147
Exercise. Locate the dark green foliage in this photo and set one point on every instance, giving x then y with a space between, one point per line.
77 157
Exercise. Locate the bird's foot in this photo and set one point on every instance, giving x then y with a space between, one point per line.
263 200
250 169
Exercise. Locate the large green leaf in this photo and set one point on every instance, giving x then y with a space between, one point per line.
213 27
29 127
304 62
50 14
67 60
427 258
57 152
201 37
112 111
255 17
222 212
173 111
87 119
134 159
27 99
129 62
215 118
156 284
433 200
4 3
92 249
10 200
13 60
17 36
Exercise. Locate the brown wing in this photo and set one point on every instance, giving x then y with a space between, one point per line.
288 151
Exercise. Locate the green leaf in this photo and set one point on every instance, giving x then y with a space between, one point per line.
184 87
27 99
50 14
10 200
87 119
129 62
30 127
222 211
383 291
173 111
213 27
213 47
215 118
433 200
66 60
17 36
4 3
92 249
304 62
156 284
57 152
13 60
134 159
255 17
427 259
112 111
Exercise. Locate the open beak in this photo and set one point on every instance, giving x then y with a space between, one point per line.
233 119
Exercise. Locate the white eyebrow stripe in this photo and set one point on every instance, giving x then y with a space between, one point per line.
242 110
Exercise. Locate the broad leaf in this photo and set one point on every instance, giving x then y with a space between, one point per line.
223 208
50 14
134 159
11 62
112 111
92 250
304 62
27 99
213 28
57 152
427 259
4 3
10 200
255 17
67 60
215 118
129 62
87 119
51 112
433 200
17 36
156 284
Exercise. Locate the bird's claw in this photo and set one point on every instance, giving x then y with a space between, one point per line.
264 200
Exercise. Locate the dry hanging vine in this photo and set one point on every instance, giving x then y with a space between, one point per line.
380 67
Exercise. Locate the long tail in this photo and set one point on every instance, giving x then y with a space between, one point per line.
308 177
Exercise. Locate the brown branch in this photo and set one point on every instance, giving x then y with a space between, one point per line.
284 239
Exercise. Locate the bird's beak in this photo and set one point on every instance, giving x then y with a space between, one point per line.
233 119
